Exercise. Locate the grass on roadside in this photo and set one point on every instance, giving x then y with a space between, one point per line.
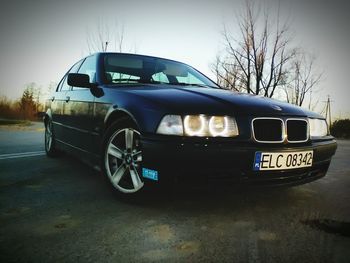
15 122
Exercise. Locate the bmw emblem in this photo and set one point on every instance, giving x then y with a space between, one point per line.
275 107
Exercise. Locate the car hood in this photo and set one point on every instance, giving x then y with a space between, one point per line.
193 100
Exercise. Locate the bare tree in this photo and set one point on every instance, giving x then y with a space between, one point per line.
304 78
98 38
228 75
102 36
119 40
257 61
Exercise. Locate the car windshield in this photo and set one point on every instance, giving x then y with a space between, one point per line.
129 69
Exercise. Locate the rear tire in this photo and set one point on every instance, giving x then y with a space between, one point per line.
50 143
122 158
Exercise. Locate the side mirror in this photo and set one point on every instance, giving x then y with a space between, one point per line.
78 80
96 91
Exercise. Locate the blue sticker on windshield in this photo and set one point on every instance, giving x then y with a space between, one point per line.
150 174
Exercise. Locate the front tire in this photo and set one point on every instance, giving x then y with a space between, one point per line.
122 157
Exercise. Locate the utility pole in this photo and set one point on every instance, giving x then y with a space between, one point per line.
328 111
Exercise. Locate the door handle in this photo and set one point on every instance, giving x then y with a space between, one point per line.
52 98
67 98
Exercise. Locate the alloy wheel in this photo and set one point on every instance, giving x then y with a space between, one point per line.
48 136
123 158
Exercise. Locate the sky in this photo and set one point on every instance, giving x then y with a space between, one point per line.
41 39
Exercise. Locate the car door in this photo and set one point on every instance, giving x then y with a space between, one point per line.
79 109
57 102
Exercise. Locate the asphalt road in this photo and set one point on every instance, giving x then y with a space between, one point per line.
59 210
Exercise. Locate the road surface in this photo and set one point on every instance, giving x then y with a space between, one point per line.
59 210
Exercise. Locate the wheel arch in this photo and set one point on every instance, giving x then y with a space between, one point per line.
47 116
117 114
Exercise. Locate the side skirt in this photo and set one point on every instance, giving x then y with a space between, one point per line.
92 160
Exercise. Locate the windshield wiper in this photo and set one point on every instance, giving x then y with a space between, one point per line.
137 81
193 84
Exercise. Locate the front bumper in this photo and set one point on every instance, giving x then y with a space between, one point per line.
229 161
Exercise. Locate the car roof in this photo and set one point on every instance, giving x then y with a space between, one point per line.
134 55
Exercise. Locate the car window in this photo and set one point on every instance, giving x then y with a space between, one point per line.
63 86
190 79
119 77
88 67
59 86
160 77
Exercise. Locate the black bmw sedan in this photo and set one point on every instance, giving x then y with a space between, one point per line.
146 120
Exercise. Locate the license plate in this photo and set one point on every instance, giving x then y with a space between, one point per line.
282 160
150 174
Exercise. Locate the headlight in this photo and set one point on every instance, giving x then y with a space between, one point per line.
210 126
195 125
223 126
171 125
318 127
198 125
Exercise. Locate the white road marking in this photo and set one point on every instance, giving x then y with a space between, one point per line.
21 155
